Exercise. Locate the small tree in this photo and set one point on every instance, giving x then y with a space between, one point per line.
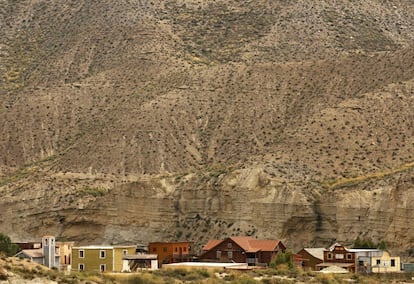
283 258
6 246
363 244
382 245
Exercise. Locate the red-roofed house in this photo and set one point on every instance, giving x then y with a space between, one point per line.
242 250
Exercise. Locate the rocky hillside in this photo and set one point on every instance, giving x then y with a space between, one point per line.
145 120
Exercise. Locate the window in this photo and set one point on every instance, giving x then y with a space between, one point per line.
184 249
102 254
339 256
329 256
154 249
81 267
378 262
176 249
229 245
392 262
230 255
81 254
102 267
125 252
218 254
349 256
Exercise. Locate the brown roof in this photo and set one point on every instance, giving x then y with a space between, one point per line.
264 245
243 242
211 244
248 244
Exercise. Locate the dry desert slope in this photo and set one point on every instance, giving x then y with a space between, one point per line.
143 120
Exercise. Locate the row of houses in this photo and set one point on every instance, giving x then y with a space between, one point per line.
344 259
235 251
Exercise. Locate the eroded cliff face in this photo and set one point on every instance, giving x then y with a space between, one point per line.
223 202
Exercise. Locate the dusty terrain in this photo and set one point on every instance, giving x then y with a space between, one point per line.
166 120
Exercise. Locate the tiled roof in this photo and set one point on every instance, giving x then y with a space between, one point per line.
211 244
244 243
264 245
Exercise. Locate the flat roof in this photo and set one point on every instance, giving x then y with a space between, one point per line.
207 264
141 256
101 247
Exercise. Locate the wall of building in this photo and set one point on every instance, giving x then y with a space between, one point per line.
310 261
386 263
169 252
119 252
92 259
65 251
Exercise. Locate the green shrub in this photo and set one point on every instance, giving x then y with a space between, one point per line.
281 260
6 246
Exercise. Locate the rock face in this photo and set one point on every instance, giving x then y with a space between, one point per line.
245 201
169 120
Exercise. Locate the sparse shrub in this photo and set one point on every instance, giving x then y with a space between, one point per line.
326 279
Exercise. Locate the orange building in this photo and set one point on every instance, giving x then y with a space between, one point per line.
171 252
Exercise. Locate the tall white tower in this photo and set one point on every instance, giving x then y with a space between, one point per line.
49 248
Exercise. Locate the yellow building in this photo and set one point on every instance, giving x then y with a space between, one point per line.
386 263
100 258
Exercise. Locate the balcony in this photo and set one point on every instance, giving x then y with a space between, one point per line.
252 261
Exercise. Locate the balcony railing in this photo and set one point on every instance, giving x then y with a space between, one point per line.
252 260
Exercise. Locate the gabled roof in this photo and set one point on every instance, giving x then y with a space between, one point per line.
243 242
248 244
211 244
332 247
315 252
264 245
31 253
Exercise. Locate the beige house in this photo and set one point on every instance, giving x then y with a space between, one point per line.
100 258
385 263
65 252
376 261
